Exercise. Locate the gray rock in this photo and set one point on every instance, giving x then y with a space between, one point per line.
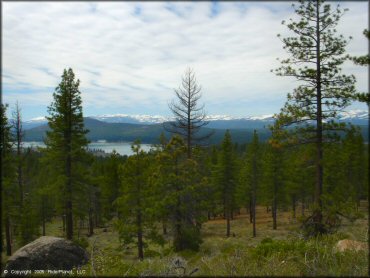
48 253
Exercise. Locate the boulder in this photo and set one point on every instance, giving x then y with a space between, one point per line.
347 244
48 253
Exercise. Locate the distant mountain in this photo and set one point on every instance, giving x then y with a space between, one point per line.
241 131
131 119
39 121
357 117
147 128
149 133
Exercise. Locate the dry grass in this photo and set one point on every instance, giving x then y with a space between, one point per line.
237 255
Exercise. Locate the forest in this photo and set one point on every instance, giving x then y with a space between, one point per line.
189 207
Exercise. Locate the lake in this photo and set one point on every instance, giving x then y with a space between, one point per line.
123 148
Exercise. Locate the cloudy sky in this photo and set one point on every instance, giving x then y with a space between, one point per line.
130 56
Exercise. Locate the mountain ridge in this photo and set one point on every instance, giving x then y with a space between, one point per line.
356 116
241 131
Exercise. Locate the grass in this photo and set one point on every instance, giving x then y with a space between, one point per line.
280 252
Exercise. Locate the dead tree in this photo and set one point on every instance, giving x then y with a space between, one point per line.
190 117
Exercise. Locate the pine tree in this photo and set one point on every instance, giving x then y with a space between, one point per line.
363 61
354 163
135 203
19 135
110 184
26 227
255 175
226 177
66 142
214 192
189 116
274 168
251 177
316 56
8 170
179 183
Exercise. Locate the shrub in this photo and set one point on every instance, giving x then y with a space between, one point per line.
82 242
269 247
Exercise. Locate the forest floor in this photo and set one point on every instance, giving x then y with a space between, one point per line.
280 252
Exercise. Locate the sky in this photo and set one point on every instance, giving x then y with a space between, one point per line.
130 56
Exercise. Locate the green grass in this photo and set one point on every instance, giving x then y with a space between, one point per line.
280 252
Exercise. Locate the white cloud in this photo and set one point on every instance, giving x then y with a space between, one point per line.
131 55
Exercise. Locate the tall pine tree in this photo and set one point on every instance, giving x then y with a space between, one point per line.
316 54
8 170
66 141
226 178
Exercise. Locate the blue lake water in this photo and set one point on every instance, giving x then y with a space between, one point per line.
123 148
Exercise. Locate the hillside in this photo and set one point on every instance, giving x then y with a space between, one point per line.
147 133
241 131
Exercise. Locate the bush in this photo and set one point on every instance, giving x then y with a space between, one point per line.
190 239
82 242
151 253
269 247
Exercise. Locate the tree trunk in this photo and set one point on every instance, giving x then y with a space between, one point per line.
250 211
254 215
228 222
96 219
68 139
19 134
140 244
274 209
64 223
178 241
91 222
319 168
164 227
43 227
43 217
96 211
8 237
69 220
274 204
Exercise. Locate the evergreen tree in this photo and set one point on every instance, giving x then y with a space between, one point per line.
227 178
110 184
363 60
354 163
7 166
316 56
27 219
19 135
214 192
66 141
273 172
135 203
179 184
189 116
252 176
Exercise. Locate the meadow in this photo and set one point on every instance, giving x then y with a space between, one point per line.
281 252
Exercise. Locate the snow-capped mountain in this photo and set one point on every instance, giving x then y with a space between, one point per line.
156 119
359 117
131 119
354 114
34 122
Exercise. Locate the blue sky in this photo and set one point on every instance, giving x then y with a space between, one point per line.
130 56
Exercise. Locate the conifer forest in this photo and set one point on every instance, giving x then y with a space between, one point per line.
291 202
